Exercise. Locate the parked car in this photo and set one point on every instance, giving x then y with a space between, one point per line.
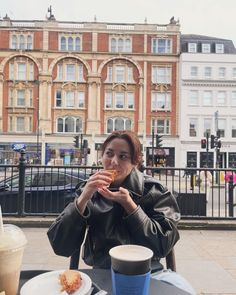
47 190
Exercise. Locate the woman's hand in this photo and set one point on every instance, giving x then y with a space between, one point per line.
121 196
95 182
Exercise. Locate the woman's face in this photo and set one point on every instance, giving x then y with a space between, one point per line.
117 155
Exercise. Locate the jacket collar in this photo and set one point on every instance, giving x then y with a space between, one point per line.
134 182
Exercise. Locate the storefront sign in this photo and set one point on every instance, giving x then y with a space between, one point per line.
17 147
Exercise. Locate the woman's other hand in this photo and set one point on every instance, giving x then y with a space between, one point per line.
121 196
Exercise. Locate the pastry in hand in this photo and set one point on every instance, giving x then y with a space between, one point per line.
113 172
70 281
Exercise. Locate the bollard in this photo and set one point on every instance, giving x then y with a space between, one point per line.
231 196
21 192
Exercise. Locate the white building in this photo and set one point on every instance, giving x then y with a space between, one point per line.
207 101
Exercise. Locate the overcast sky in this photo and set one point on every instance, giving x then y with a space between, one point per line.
214 18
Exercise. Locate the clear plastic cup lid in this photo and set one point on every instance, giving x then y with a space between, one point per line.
12 238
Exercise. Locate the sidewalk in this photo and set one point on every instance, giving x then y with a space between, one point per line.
206 258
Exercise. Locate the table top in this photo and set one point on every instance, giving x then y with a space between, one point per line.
101 279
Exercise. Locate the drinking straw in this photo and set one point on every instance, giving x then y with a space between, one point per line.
1 222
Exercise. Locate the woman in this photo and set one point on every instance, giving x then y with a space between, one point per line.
205 182
131 209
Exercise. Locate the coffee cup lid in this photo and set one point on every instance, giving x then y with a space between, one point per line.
12 238
131 253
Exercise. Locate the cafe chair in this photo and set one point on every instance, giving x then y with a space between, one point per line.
170 260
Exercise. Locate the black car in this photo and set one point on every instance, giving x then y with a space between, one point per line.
47 190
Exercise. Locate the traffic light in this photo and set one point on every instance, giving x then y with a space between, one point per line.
76 141
219 143
213 141
203 143
158 141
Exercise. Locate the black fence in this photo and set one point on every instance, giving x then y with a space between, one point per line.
33 190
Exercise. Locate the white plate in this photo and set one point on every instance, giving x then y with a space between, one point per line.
48 284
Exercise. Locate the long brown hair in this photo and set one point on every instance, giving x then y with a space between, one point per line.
133 141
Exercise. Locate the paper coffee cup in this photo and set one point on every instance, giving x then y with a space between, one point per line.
131 259
130 269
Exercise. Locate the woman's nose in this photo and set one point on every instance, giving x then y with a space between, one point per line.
115 160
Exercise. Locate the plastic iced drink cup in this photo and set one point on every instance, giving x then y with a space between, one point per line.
12 244
130 269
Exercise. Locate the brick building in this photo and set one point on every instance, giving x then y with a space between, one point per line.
61 79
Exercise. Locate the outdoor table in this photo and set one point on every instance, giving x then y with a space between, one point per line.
101 279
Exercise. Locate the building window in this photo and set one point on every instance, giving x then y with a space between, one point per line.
233 99
161 75
192 47
69 125
11 98
20 98
119 74
234 73
219 48
70 43
118 123
222 127
206 48
81 99
221 98
108 100
207 126
193 127
20 124
222 73
22 41
70 99
58 99
161 126
130 100
207 99
161 101
193 98
234 129
120 44
161 45
21 71
70 72
194 72
119 100
207 72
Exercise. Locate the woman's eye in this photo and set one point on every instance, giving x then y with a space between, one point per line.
109 154
124 157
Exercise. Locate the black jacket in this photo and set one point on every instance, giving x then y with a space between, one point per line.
153 224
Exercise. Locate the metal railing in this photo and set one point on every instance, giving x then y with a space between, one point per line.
35 190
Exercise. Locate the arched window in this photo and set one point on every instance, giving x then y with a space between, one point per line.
118 123
77 44
59 125
78 125
113 45
63 43
109 126
22 42
14 42
70 44
69 124
29 42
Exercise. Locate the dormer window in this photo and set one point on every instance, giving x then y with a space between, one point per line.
192 47
206 48
219 48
